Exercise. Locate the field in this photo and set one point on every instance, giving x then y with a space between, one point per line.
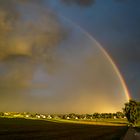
138 127
28 129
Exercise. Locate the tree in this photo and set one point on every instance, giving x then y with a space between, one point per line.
1 114
96 116
132 111
119 114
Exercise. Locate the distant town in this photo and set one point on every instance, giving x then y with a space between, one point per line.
71 116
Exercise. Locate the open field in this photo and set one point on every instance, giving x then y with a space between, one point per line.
106 122
24 129
138 127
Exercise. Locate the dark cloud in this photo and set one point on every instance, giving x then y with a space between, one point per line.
29 35
79 2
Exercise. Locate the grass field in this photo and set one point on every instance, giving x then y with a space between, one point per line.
27 129
138 127
106 122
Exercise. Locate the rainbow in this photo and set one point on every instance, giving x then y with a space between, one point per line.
126 91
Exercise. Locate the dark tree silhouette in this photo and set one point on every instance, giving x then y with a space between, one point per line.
132 111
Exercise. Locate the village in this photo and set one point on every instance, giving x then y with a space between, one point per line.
71 116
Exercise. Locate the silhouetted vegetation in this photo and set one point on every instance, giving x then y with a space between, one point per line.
132 111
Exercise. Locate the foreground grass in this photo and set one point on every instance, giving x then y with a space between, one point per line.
106 122
24 129
138 127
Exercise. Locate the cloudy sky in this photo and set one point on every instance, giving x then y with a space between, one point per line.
51 62
115 24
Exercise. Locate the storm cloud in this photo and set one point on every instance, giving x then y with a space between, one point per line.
29 34
84 3
48 64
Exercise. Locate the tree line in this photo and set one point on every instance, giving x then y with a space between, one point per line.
132 112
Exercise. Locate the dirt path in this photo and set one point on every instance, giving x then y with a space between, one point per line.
132 134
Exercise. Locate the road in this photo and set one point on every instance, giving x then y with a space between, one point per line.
132 134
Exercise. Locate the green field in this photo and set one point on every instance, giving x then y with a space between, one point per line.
28 129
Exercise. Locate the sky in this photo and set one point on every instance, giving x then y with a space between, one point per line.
50 61
115 25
